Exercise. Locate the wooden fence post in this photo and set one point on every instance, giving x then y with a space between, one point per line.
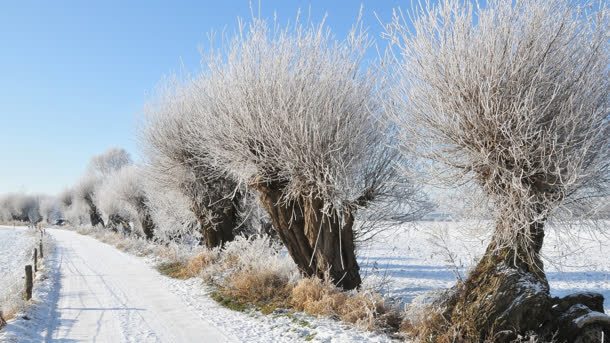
29 282
2 321
35 260
41 255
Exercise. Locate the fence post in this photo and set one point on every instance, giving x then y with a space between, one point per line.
28 282
35 260
41 255
2 321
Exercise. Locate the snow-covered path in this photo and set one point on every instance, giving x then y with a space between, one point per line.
105 295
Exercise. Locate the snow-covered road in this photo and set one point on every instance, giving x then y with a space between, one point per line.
104 295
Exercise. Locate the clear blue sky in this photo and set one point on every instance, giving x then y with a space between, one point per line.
74 75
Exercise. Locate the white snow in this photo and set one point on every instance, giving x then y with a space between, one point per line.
101 294
16 250
426 256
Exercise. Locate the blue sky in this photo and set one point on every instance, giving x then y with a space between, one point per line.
74 75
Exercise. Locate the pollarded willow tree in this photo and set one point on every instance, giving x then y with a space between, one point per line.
171 213
514 96
295 115
123 196
213 198
83 200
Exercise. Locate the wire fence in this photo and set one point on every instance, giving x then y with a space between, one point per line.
17 286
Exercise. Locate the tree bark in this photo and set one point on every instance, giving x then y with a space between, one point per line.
318 243
217 232
94 215
505 295
148 225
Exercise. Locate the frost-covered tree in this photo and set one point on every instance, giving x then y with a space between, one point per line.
170 211
21 207
83 199
109 161
294 115
123 196
83 194
514 96
213 197
50 209
74 212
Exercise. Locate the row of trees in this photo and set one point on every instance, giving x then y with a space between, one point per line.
294 128
31 209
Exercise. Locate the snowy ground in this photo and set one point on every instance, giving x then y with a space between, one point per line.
98 291
16 249
426 256
100 294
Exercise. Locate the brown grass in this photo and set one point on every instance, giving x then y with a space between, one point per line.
187 269
6 315
263 289
317 297
367 310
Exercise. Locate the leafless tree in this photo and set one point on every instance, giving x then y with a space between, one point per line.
50 209
124 198
295 115
171 213
109 161
84 198
21 207
512 95
214 198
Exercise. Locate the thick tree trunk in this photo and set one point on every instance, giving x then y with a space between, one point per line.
148 225
316 242
115 222
94 215
219 231
505 295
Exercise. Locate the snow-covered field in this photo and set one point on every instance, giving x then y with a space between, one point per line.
16 249
425 256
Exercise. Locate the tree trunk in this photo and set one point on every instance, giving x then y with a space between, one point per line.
94 215
119 224
317 243
217 232
505 295
148 225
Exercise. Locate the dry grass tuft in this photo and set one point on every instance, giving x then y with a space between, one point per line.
186 269
264 289
365 309
317 297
